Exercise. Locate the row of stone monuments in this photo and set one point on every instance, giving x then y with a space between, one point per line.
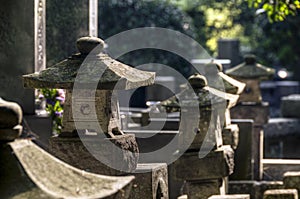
93 148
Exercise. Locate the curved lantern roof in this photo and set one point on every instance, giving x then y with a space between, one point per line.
231 85
250 69
201 94
94 68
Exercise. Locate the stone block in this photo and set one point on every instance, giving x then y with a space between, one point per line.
281 194
290 106
258 112
204 189
151 181
274 169
256 189
74 151
243 169
183 197
230 135
232 196
217 164
291 180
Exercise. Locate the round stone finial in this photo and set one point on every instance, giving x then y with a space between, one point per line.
10 120
250 59
197 81
86 45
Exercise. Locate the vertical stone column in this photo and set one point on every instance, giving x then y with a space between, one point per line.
17 51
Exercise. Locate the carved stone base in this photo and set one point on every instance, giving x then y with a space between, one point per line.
151 181
121 152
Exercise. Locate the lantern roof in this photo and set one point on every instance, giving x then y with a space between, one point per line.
201 94
250 69
89 67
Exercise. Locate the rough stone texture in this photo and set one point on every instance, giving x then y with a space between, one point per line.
259 113
217 164
151 181
76 153
230 135
10 114
291 180
243 169
236 196
59 180
254 188
281 194
100 70
17 51
277 127
274 169
290 106
203 189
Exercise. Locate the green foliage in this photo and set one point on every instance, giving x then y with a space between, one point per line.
116 16
54 106
277 10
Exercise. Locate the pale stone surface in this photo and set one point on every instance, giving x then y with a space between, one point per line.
233 196
281 194
59 180
203 189
230 135
274 169
256 189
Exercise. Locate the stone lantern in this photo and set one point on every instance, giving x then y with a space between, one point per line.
251 73
93 103
205 164
251 106
212 106
219 80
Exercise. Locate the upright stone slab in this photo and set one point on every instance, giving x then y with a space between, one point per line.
229 49
281 194
290 106
17 51
251 105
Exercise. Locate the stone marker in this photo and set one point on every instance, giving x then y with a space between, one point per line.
290 106
236 196
281 194
274 169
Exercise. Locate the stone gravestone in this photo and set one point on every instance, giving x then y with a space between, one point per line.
17 51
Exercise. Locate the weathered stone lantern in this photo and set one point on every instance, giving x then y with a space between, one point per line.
251 73
96 76
202 169
219 80
251 106
212 105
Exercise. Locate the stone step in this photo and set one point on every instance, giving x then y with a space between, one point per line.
232 196
281 194
291 180
274 169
